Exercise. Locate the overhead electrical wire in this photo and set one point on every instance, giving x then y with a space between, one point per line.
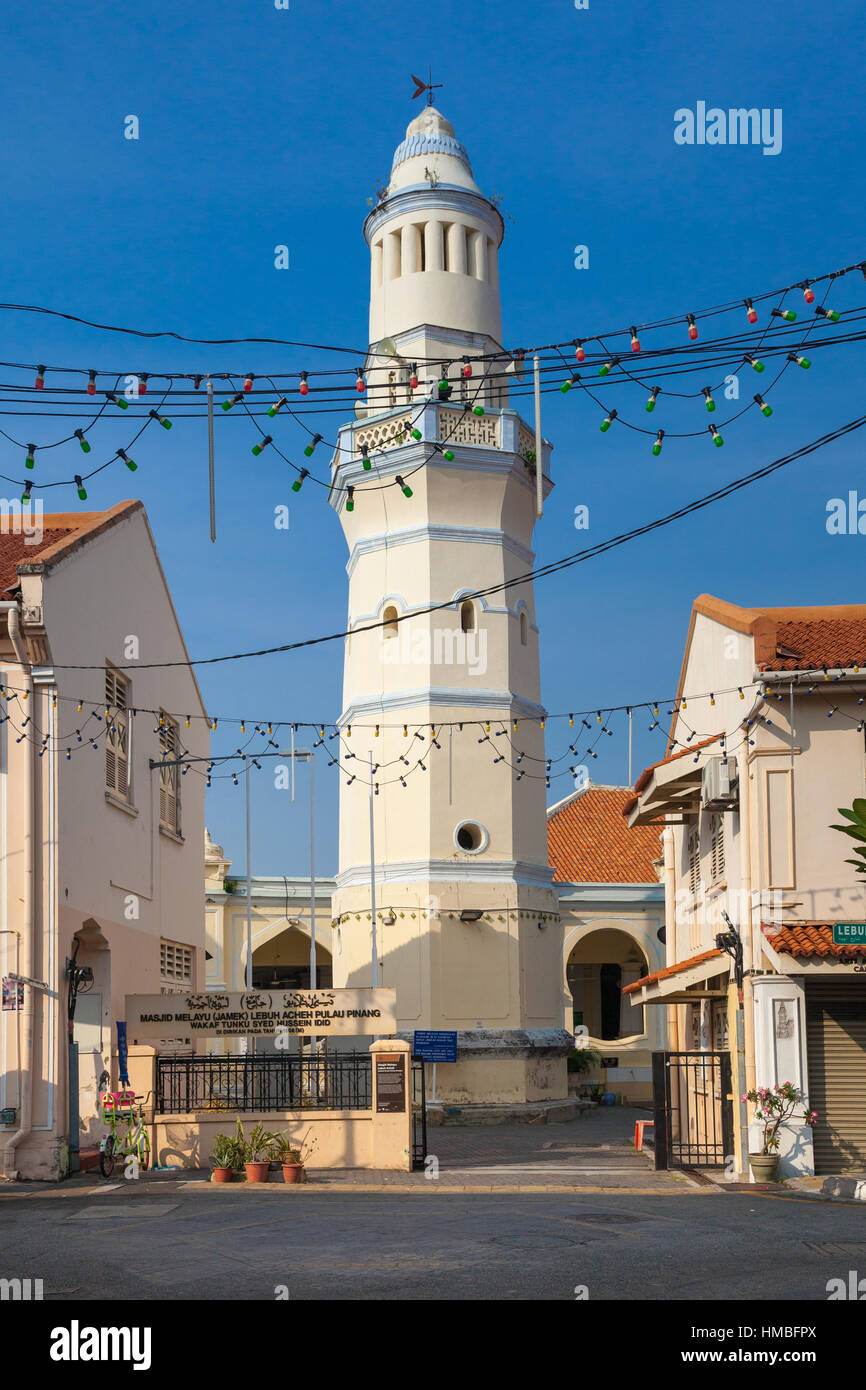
542 571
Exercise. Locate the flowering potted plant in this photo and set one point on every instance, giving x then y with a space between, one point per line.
291 1158
773 1108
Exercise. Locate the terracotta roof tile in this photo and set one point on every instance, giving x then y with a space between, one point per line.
589 842
808 939
61 533
671 970
14 547
813 643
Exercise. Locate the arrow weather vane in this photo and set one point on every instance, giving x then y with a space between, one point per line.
427 86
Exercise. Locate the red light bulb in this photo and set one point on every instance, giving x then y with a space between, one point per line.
635 341
413 379
693 327
304 386
40 379
360 384
578 350
751 311
808 294
142 384
248 382
91 385
467 369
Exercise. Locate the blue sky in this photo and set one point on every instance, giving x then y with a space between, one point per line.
261 126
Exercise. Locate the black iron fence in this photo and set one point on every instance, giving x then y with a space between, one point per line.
337 1081
693 1109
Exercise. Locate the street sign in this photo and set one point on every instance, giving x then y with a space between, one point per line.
849 933
435 1046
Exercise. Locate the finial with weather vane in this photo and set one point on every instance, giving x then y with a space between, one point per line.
427 86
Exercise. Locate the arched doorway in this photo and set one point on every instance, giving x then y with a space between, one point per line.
601 963
283 962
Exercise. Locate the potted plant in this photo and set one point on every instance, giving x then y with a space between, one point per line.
289 1159
224 1158
773 1108
257 1151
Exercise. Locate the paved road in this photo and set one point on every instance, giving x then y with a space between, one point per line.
204 1244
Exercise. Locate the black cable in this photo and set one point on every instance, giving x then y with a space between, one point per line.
577 557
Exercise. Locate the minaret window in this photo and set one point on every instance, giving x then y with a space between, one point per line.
446 245
467 616
390 620
524 628
422 246
471 837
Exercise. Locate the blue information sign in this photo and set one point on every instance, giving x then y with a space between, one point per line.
436 1046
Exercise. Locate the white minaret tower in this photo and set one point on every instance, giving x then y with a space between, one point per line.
467 924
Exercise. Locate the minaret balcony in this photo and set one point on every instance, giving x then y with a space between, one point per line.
389 439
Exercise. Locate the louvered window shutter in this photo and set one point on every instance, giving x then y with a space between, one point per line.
117 734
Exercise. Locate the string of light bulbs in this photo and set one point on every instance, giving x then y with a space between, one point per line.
689 318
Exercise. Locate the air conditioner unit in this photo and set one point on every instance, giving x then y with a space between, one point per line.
719 785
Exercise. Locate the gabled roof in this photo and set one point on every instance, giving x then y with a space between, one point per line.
589 842
64 533
793 639
61 534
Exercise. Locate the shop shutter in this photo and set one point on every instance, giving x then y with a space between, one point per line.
836 1042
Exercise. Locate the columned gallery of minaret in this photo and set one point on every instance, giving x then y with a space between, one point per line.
445 702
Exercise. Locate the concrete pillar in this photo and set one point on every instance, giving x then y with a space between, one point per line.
410 257
392 255
457 248
493 265
391 1145
433 249
376 266
142 1072
480 255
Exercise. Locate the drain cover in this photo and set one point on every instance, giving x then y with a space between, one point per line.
123 1211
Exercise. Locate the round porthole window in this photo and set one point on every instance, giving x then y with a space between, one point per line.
471 837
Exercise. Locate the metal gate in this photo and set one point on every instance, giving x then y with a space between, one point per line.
693 1109
419 1114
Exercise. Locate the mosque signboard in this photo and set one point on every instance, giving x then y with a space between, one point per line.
262 1013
